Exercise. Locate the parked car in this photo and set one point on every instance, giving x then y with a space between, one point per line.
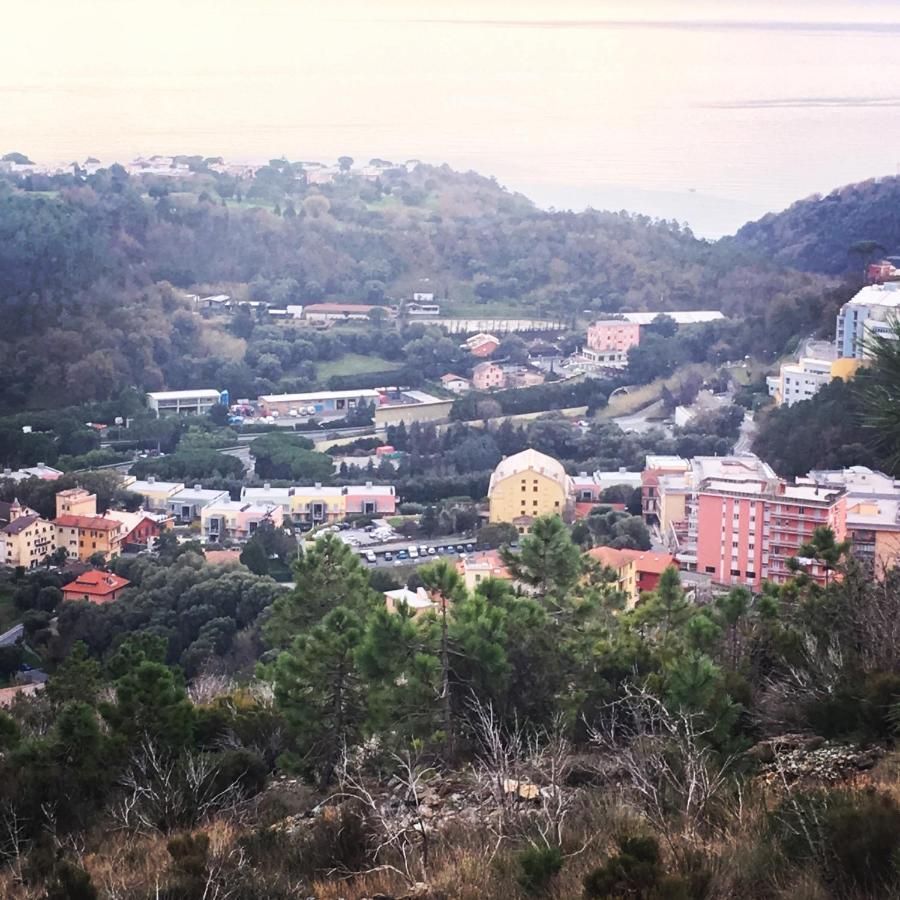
431 551
371 557
402 554
460 548
388 556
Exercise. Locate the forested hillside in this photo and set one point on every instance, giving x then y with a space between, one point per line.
93 268
835 234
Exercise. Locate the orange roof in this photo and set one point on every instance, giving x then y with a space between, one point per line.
644 560
489 558
96 585
96 523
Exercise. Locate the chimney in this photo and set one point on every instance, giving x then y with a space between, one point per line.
368 484
318 485
151 479
197 487
266 486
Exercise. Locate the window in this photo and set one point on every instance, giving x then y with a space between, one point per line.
736 572
535 489
710 570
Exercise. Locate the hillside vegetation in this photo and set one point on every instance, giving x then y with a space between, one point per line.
834 234
92 270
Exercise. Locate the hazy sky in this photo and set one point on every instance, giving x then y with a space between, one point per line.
708 111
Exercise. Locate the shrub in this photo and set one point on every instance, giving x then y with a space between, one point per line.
853 838
538 866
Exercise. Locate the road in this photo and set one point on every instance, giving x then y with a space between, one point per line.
744 443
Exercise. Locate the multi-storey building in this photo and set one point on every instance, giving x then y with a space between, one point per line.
156 494
636 570
655 468
871 311
611 339
528 485
83 536
76 502
873 513
26 539
184 506
325 504
236 520
184 403
488 376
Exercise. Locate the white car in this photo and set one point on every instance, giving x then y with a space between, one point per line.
371 557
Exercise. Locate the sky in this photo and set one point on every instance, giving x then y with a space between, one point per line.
711 113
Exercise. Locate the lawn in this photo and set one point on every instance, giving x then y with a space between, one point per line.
354 364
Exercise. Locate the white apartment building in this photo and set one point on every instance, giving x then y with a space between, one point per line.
871 311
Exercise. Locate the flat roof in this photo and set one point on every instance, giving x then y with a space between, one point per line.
319 395
681 317
153 486
200 394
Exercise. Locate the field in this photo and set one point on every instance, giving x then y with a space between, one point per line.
354 364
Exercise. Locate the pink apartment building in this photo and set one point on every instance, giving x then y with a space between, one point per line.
613 335
370 499
746 533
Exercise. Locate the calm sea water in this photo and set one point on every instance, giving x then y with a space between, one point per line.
711 121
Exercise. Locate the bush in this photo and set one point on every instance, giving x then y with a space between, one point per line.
538 866
854 839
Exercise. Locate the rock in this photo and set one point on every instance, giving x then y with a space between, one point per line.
763 752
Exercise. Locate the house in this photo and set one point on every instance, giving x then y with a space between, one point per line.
325 504
156 494
139 529
12 510
609 340
27 539
481 565
183 403
184 506
418 600
636 571
528 485
456 384
482 345
95 587
236 520
488 376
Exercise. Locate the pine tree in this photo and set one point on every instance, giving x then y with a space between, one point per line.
318 688
548 559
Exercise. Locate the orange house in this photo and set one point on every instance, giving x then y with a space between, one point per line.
96 587
83 536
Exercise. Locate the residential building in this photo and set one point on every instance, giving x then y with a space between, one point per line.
482 345
416 307
528 485
612 339
881 271
334 404
184 506
589 488
26 540
84 535
156 494
236 520
418 600
870 311
183 403
139 529
655 467
95 587
456 384
76 502
12 510
488 376
41 470
637 571
746 533
481 565
522 376
325 504
873 512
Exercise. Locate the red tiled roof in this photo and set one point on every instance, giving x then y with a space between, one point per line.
645 560
96 523
95 584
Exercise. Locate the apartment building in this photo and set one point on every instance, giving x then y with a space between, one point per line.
870 312
528 485
76 502
326 504
155 494
655 467
83 536
184 506
478 567
26 539
611 339
237 520
873 512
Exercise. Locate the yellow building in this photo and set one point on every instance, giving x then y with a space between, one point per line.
83 536
528 485
76 502
156 494
27 539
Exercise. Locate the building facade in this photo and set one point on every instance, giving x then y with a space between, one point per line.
488 376
611 339
236 520
26 540
871 311
183 403
83 536
528 485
